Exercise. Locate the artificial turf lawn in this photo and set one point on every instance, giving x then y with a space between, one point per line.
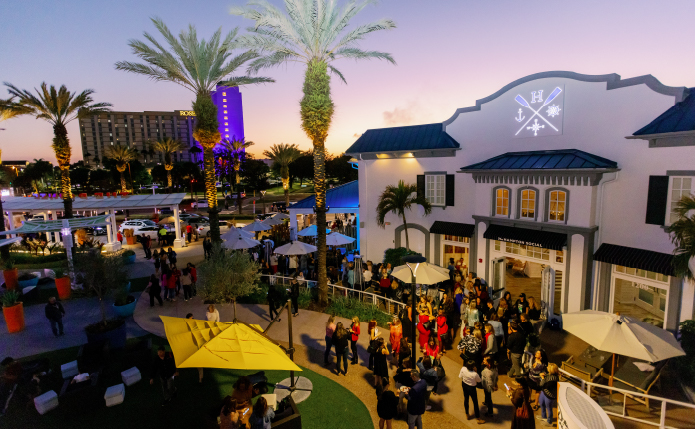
330 404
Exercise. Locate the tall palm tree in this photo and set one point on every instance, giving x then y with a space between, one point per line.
312 32
398 199
236 148
283 155
168 147
199 66
59 108
122 155
683 236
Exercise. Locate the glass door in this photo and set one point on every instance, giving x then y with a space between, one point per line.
547 292
499 278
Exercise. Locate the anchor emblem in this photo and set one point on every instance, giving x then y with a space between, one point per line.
520 117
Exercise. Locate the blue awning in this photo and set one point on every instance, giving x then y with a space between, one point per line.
345 198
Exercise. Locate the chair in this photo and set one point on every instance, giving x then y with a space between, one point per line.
46 402
629 377
271 399
114 395
580 370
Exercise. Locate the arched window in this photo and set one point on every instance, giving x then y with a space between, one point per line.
501 201
557 206
528 204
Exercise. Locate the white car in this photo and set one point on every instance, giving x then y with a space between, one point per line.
204 228
202 203
150 231
136 225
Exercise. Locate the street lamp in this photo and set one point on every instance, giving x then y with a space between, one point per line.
413 262
263 199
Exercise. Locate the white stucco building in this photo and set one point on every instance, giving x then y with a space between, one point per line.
562 179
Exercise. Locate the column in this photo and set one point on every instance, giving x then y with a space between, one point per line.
178 242
114 231
111 244
10 215
357 233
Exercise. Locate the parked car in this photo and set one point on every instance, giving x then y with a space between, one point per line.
96 230
204 228
202 203
166 211
150 231
136 225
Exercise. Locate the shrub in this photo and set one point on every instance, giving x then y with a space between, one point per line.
225 278
127 253
26 258
393 256
348 307
685 365
9 264
101 273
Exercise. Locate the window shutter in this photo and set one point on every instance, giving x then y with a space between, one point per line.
449 189
421 186
657 198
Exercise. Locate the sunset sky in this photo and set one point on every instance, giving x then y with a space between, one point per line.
449 53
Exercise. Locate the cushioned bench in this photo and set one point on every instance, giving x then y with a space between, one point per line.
46 402
131 376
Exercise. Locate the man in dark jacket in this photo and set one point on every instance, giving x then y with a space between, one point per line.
272 305
165 366
417 401
516 343
54 314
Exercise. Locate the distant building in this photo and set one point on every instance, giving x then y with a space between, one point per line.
17 166
137 129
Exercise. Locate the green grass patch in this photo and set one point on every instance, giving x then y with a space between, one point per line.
46 289
197 405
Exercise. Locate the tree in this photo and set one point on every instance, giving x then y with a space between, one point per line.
168 147
255 174
311 32
59 108
79 175
122 156
101 273
302 167
8 110
100 178
683 236
283 155
224 278
199 66
36 173
237 150
341 169
398 199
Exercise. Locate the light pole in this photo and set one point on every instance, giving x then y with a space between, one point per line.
263 199
413 261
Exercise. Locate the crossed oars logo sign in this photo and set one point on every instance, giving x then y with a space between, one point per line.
535 127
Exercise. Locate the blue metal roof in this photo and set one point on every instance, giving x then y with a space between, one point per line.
680 117
411 138
344 197
544 160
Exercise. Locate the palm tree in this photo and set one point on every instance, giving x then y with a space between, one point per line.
168 147
122 155
236 148
283 155
683 236
59 108
312 33
199 66
398 199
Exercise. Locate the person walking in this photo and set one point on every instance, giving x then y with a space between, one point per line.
157 262
189 232
119 237
294 295
489 380
469 380
212 314
154 290
395 335
194 277
207 247
516 342
548 395
162 236
387 404
272 305
186 283
340 341
165 367
262 415
330 329
354 336
417 400
523 415
143 243
172 256
54 313
381 366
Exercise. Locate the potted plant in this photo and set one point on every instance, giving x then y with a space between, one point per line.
13 311
62 283
27 279
10 274
128 257
129 237
103 274
124 304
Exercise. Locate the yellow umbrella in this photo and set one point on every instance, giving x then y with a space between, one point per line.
203 344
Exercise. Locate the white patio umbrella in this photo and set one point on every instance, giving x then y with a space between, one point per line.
281 216
234 233
240 243
169 219
295 248
272 221
338 239
427 274
256 226
621 335
310 231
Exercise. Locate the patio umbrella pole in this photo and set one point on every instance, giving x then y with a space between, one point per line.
610 382
291 349
412 324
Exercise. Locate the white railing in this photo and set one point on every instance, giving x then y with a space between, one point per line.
390 306
601 390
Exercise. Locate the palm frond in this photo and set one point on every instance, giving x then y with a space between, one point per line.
682 233
359 54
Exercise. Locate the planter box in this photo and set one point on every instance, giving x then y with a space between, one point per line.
11 278
116 337
124 311
27 283
130 240
64 287
14 317
129 260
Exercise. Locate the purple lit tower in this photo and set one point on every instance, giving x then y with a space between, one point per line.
229 112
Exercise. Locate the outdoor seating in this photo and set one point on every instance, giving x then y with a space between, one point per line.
630 377
271 399
288 418
69 370
46 402
93 357
76 397
131 376
580 370
115 395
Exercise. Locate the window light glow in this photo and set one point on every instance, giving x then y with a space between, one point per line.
225 112
224 93
382 155
224 100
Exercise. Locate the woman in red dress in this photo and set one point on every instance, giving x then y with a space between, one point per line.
424 309
442 328
396 333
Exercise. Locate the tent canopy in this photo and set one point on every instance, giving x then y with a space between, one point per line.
34 227
203 344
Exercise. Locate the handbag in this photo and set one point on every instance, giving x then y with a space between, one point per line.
523 411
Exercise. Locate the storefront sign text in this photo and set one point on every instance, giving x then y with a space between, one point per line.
526 243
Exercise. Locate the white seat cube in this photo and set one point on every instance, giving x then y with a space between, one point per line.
131 376
271 399
46 402
114 395
69 369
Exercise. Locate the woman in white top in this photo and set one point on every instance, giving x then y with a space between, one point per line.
212 314
469 380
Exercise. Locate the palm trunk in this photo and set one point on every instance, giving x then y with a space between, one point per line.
211 194
286 190
123 187
61 147
169 182
4 250
207 134
316 111
405 227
